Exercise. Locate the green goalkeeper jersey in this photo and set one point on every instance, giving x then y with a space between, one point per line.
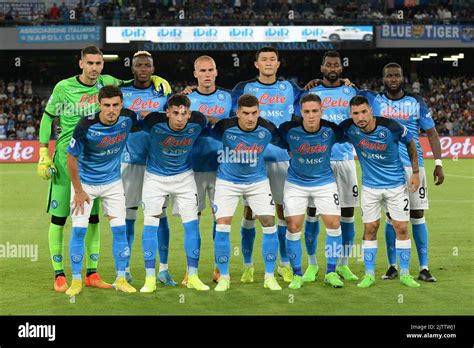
71 100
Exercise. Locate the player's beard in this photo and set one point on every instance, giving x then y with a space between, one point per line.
331 77
391 90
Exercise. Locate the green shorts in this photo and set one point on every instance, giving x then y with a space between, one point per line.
59 195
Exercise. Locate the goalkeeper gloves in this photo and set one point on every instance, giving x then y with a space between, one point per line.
161 85
46 167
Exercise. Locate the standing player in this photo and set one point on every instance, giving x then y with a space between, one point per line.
310 178
169 172
141 95
93 164
377 141
411 111
277 100
242 172
335 98
215 103
72 99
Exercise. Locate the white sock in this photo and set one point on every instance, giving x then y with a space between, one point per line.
163 267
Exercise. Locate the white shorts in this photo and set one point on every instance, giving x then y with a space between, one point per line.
132 177
111 196
395 200
324 198
206 184
347 185
276 172
418 199
258 197
182 187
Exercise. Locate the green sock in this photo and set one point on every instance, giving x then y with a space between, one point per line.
56 247
92 244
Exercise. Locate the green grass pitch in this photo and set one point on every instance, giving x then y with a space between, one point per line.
26 286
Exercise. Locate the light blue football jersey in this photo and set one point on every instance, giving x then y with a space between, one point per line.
277 103
170 151
410 111
241 158
217 104
99 147
310 163
335 106
378 152
140 99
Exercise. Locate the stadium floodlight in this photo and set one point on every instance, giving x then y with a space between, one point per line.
459 56
111 57
433 54
427 56
416 59
450 59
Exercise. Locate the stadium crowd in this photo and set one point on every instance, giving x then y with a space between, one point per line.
245 12
451 102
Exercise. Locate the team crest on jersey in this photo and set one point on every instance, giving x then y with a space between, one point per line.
407 103
155 92
96 134
220 96
191 130
282 86
382 134
124 124
325 135
99 85
54 204
253 89
71 144
261 135
346 90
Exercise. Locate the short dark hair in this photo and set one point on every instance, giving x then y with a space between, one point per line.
247 100
178 100
110 92
90 50
392 65
358 100
267 49
310 98
332 54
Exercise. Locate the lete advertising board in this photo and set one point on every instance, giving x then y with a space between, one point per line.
27 151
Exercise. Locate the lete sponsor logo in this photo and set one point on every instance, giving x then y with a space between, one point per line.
460 147
21 151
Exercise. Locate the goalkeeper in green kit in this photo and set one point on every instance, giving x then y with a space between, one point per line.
72 99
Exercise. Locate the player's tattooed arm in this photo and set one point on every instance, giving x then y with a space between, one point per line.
415 178
80 196
435 145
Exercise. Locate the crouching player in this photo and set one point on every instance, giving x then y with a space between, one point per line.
168 172
93 163
377 141
310 178
242 172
